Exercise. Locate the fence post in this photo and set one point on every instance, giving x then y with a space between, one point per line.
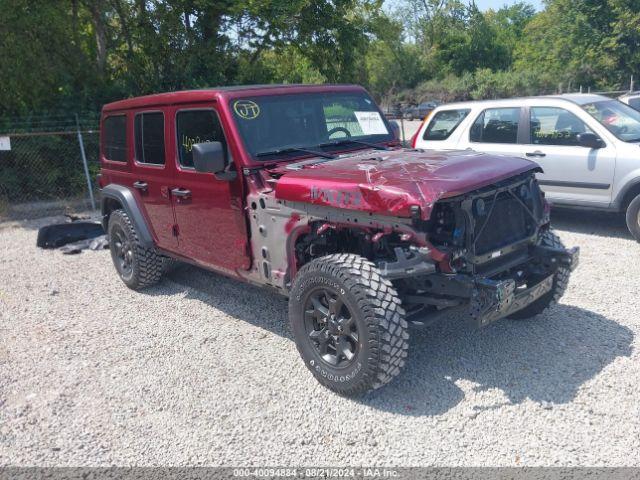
84 163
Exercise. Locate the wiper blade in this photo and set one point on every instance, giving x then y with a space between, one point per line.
377 146
294 149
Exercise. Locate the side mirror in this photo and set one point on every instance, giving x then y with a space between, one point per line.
395 129
589 140
209 157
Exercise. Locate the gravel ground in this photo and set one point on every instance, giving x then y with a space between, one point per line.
202 370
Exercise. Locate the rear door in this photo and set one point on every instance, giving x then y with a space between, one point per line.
151 176
209 212
572 173
497 131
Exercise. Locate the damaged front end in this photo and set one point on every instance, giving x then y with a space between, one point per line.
493 260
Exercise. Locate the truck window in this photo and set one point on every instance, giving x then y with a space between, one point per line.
114 132
444 123
496 125
196 126
149 138
555 126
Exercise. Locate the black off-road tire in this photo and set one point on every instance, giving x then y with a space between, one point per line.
560 282
375 311
169 264
146 265
633 218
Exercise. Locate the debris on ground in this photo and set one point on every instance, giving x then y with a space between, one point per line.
57 235
98 243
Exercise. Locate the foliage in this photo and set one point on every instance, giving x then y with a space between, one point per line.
78 54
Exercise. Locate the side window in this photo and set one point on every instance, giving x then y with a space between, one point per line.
496 125
635 103
114 132
444 123
555 126
149 138
196 126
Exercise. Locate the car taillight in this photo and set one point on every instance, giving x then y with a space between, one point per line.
414 139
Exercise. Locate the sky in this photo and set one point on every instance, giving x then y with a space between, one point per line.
496 4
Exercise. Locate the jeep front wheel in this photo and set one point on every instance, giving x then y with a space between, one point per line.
138 267
348 323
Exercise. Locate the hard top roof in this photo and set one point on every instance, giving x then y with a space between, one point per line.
210 94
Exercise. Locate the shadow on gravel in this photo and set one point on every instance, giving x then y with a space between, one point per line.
601 224
546 359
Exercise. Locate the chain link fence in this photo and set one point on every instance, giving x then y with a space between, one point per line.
48 165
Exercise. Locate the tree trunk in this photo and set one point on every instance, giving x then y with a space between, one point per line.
99 29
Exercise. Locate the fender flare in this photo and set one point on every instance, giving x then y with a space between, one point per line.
618 202
130 205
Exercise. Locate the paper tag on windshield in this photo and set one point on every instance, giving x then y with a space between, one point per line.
371 123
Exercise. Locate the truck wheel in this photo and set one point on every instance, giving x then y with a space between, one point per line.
348 323
633 218
560 282
138 267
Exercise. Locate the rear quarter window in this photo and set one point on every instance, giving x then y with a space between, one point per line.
444 123
114 138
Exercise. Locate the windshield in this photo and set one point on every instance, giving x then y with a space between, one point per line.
278 126
619 118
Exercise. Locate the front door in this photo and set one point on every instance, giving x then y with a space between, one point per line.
572 172
209 212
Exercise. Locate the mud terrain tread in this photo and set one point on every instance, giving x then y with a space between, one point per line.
381 308
150 265
560 283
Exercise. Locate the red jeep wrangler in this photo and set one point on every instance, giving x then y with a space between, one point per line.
306 189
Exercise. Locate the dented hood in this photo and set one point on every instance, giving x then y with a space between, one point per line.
391 182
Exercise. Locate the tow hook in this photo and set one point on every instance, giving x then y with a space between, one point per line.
567 257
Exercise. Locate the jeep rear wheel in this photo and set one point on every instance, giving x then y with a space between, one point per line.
560 282
348 324
138 267
633 218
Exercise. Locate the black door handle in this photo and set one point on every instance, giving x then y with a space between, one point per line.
181 192
140 185
537 153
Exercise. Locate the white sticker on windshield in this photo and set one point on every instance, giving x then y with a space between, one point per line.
371 123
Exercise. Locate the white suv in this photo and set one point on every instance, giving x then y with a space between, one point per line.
632 99
587 145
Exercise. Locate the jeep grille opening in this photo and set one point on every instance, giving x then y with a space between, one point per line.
504 221
488 220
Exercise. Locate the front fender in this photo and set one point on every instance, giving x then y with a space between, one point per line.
127 199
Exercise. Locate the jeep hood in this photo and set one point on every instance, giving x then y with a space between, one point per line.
391 182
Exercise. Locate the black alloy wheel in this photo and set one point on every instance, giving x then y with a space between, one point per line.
122 252
331 327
